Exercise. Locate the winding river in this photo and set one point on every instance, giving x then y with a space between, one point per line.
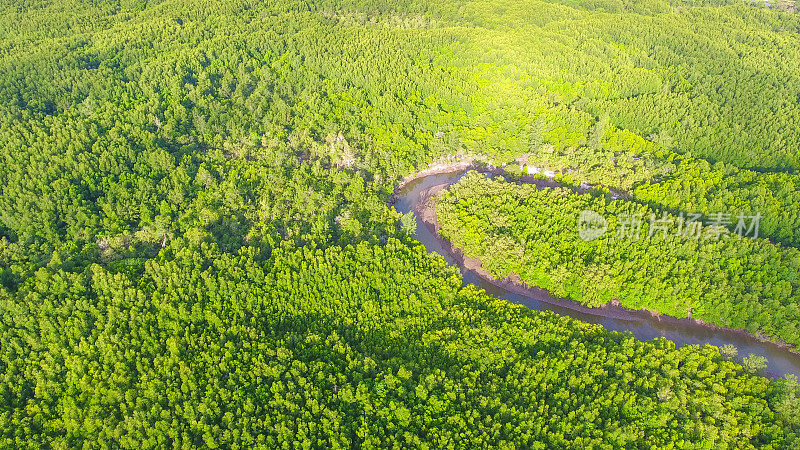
411 197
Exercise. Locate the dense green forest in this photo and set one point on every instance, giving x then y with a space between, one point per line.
107 106
196 249
644 259
363 346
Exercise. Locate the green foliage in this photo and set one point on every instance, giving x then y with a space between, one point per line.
354 346
754 364
729 352
195 248
715 276
102 132
408 224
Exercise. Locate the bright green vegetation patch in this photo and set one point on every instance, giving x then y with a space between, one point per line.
351 346
195 247
731 281
108 108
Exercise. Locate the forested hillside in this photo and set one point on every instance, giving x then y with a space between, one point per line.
645 259
196 247
105 108
364 345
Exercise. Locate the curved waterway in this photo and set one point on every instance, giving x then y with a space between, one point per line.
412 196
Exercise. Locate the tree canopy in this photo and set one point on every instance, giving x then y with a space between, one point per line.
196 247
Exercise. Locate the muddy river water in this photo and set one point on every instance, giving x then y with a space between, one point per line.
411 196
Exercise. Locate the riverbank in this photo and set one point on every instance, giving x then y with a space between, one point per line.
424 207
465 165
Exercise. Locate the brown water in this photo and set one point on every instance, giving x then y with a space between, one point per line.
781 361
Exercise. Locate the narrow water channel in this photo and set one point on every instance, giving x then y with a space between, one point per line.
781 361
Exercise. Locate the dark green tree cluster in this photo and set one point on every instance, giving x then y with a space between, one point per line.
101 102
357 346
646 258
195 247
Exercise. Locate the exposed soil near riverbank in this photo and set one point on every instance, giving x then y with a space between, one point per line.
425 210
